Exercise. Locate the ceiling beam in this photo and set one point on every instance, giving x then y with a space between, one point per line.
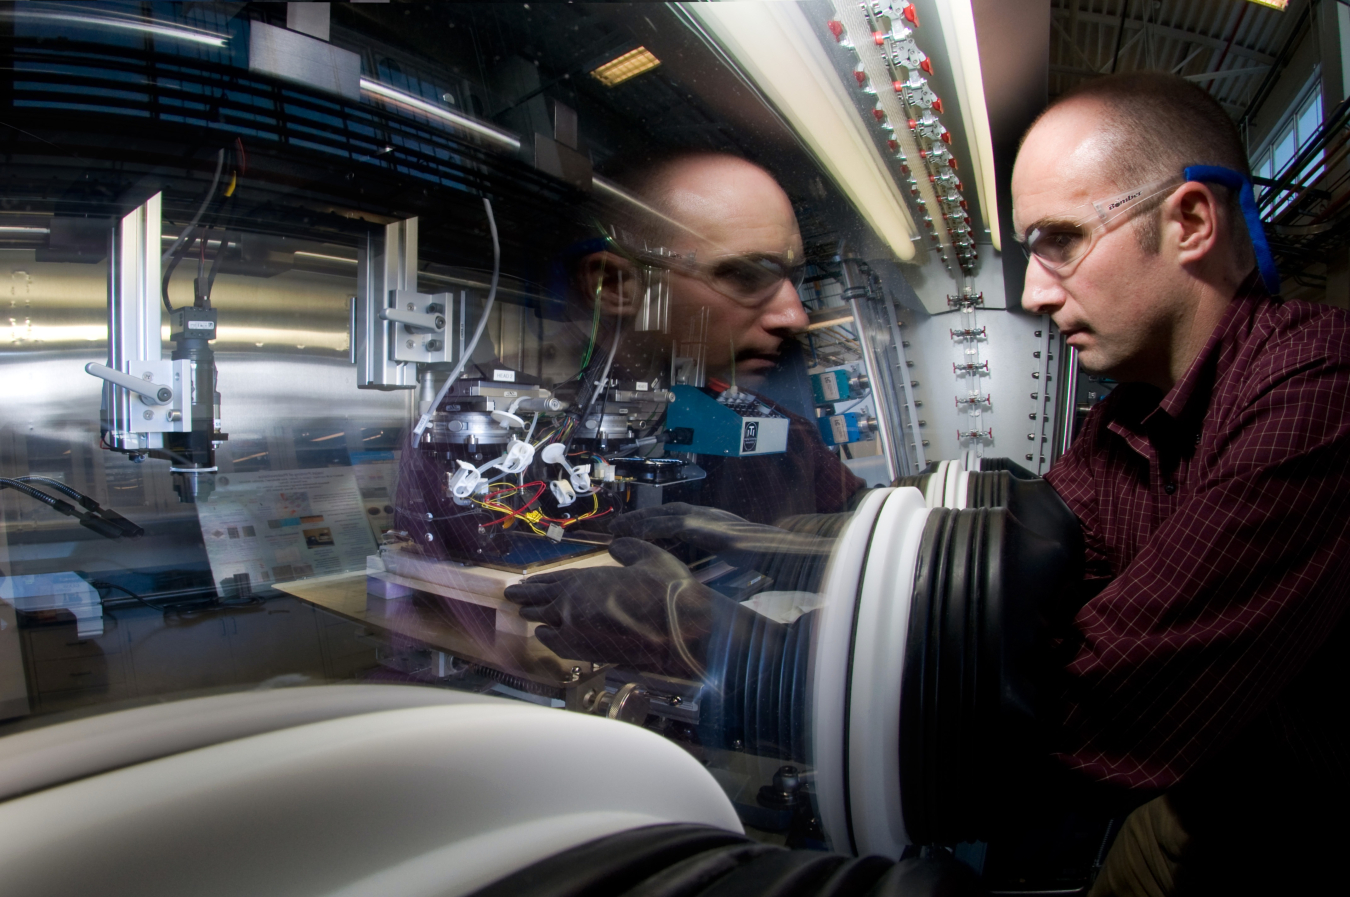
1097 18
1068 40
1228 73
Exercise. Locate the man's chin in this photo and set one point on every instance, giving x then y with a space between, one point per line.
750 372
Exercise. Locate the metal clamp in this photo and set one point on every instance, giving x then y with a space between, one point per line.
151 393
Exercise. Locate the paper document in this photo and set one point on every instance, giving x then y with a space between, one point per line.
276 526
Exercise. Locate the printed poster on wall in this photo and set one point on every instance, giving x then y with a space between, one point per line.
276 526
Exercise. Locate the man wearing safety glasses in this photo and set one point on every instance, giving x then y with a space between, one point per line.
730 245
1207 673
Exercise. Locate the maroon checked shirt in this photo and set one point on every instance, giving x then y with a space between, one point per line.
1217 517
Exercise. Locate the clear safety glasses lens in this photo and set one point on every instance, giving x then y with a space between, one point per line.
1057 245
753 279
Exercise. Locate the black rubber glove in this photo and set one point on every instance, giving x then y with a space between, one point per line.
650 614
718 532
793 559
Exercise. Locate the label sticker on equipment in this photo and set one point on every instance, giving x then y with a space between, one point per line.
643 386
829 387
508 376
201 325
750 438
839 428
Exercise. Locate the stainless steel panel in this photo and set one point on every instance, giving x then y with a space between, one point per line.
298 57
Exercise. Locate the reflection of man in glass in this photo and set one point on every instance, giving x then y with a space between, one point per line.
725 231
734 252
727 234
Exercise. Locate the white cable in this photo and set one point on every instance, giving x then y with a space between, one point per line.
477 335
603 384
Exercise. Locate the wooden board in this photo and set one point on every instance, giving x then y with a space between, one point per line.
462 622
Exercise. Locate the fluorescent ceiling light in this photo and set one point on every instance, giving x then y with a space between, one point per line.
463 122
1281 5
963 51
778 49
629 65
122 23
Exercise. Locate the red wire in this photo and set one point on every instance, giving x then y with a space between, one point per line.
517 512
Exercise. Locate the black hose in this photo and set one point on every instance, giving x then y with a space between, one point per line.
702 861
171 257
61 487
54 503
127 528
90 521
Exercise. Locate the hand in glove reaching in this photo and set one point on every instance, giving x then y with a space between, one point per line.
650 614
719 532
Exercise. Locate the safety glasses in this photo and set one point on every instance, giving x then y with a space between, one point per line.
749 280
1061 243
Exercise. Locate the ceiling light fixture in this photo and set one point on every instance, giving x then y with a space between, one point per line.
1281 5
120 23
411 103
622 68
778 50
958 28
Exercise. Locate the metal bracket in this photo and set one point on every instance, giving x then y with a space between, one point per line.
393 327
137 377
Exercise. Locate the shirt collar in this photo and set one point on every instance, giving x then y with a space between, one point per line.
1176 402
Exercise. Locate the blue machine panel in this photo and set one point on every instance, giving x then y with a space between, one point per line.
731 425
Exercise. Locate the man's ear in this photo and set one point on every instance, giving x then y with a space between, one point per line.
612 281
1191 219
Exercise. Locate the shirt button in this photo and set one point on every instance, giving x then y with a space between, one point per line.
1170 488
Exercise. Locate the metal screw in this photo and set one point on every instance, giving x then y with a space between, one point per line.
1035 354
1032 415
1035 395
440 322
1031 436
174 416
147 376
1029 456
576 677
433 345
1038 333
430 516
148 415
1035 375
430 537
410 344
411 307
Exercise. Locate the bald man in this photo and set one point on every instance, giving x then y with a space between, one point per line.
734 253
1208 662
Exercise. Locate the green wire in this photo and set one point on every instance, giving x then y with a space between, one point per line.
595 318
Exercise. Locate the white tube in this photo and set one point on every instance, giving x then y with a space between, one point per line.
477 335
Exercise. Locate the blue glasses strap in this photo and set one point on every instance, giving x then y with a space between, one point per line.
1236 180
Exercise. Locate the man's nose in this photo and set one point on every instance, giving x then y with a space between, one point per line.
1042 293
784 310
